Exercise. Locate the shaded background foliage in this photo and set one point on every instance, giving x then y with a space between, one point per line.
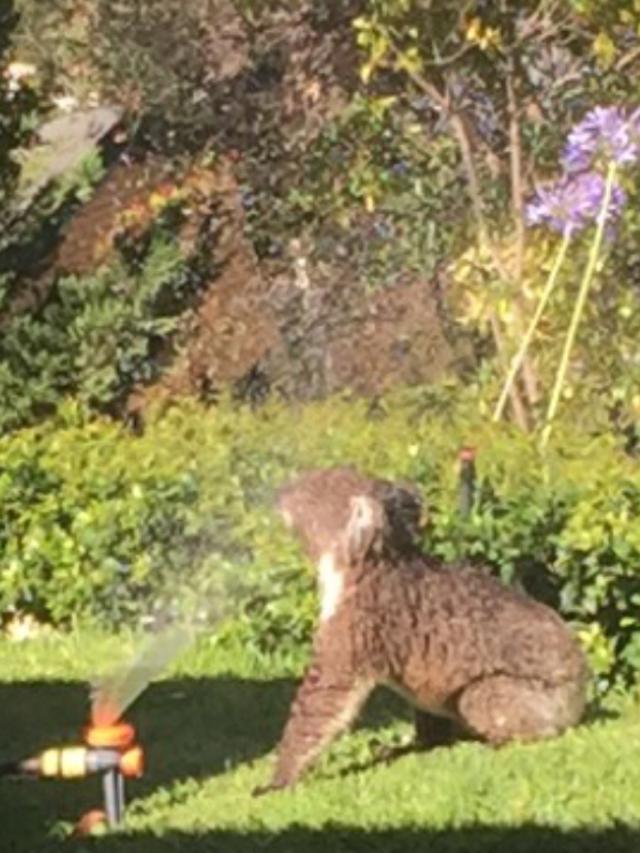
340 166
337 157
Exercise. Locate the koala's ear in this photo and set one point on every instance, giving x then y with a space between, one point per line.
364 525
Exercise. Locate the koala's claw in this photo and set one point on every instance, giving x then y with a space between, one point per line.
261 790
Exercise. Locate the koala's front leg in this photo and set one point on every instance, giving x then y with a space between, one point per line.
327 701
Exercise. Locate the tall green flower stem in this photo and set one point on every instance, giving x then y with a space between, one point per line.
589 273
517 360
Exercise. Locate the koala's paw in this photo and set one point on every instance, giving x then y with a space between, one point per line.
271 788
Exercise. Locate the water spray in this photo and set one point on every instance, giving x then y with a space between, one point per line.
109 748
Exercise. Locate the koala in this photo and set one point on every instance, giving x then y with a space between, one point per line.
457 644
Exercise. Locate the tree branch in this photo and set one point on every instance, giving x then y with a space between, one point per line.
627 59
517 204
519 411
462 138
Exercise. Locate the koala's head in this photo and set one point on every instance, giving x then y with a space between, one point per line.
341 512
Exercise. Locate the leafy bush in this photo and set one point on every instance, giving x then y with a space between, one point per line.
98 333
101 524
82 521
19 103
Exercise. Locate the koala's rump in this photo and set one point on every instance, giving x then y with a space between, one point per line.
429 634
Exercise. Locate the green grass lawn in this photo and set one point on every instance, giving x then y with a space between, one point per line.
208 729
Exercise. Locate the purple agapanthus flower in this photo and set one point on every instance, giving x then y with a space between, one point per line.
605 134
573 203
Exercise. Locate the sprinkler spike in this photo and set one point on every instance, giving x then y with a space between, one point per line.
113 789
467 480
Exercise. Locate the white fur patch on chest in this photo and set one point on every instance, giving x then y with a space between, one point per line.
331 583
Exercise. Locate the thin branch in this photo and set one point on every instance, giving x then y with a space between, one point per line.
541 21
627 59
519 411
545 29
517 204
457 125
462 138
453 57
515 159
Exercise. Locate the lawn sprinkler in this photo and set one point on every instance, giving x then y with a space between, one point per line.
109 747
109 751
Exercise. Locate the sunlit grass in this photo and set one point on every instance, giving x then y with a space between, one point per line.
208 727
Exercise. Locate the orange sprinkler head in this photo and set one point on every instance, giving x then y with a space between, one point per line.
132 763
88 823
467 454
118 736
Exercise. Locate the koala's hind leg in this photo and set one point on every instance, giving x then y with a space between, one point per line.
432 731
501 708
325 704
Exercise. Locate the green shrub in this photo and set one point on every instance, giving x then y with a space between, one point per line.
18 109
98 523
85 514
98 333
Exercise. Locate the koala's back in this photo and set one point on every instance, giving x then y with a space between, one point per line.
431 632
